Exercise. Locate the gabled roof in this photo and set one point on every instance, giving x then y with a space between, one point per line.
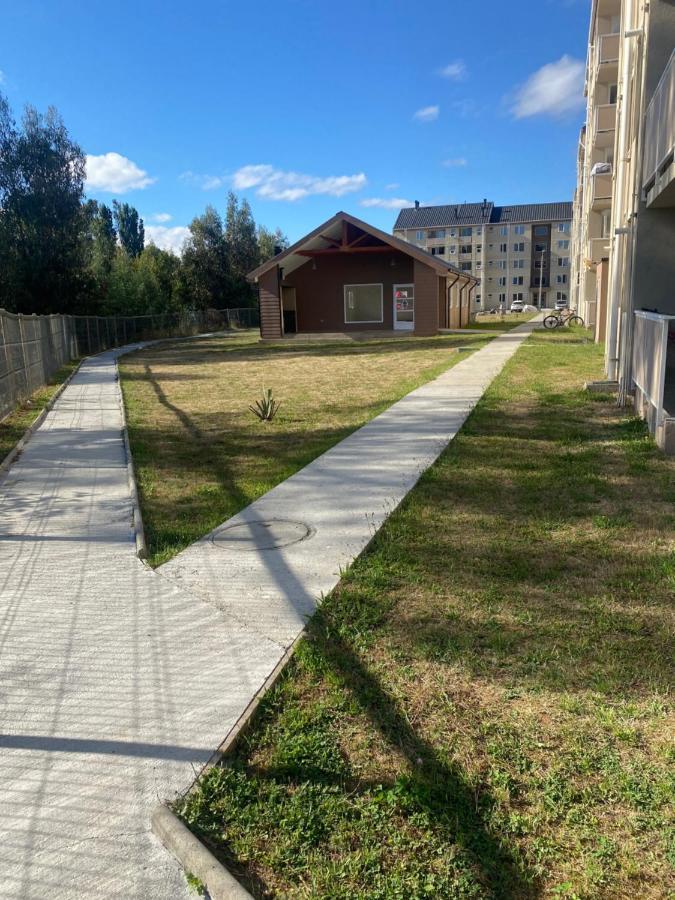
483 213
293 257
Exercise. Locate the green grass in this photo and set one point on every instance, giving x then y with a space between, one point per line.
201 455
13 427
501 323
481 708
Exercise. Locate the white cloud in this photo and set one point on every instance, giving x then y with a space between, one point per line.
385 202
455 163
115 173
427 114
276 184
167 238
555 89
456 70
392 186
159 217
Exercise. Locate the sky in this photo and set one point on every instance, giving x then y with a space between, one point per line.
306 107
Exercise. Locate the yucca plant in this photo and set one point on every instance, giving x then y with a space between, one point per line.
267 407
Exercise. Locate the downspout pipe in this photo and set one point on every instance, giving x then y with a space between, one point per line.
471 290
447 305
461 292
618 244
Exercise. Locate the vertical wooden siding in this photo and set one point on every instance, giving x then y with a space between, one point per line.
270 304
426 299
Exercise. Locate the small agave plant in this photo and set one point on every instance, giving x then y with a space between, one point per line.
267 407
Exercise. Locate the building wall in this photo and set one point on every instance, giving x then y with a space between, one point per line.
320 291
426 299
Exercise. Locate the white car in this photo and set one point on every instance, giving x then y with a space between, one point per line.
517 306
560 304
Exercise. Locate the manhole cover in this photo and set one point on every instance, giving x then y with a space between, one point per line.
268 535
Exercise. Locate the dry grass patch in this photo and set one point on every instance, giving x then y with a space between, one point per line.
201 455
482 708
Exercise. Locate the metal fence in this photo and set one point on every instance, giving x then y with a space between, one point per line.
652 334
32 348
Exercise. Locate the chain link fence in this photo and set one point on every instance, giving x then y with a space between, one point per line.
32 348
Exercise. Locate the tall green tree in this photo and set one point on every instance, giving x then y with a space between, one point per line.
270 243
130 228
242 242
42 173
206 269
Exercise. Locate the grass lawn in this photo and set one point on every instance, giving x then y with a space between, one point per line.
501 323
12 428
481 708
201 455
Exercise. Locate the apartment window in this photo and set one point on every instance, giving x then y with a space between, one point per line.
502 281
540 248
539 264
501 263
519 229
502 298
561 279
540 230
477 298
564 227
563 260
560 295
517 279
563 245
502 248
519 247
479 248
504 230
465 232
465 266
611 93
518 263
438 251
518 296
363 303
436 233
465 248
419 235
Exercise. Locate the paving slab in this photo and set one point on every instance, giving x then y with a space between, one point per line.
117 682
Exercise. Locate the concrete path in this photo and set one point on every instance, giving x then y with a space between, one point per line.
116 682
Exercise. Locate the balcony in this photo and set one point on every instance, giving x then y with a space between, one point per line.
605 123
658 173
598 248
601 192
607 59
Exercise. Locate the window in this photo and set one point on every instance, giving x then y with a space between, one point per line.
540 230
519 247
435 233
560 295
438 251
502 281
563 245
611 93
502 298
518 263
539 264
517 279
419 235
563 260
561 279
477 298
479 248
516 296
501 263
540 248
465 248
504 230
465 266
363 303
564 227
502 248
465 232
519 229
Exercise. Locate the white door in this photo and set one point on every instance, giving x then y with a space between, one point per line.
404 307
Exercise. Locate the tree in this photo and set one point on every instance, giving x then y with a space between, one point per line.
270 243
242 245
42 174
130 228
206 269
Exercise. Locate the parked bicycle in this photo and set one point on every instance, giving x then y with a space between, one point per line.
560 318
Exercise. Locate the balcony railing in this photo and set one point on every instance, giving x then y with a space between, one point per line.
653 338
598 248
607 58
601 192
605 124
658 173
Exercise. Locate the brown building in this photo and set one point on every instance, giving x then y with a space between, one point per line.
347 276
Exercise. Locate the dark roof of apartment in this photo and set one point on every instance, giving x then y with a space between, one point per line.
481 214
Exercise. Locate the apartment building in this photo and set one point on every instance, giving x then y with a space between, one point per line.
519 252
623 241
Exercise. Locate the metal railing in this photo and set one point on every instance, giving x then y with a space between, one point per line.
33 348
651 336
659 146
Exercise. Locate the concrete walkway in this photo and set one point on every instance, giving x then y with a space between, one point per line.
116 682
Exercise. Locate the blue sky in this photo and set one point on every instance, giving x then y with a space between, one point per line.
305 106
